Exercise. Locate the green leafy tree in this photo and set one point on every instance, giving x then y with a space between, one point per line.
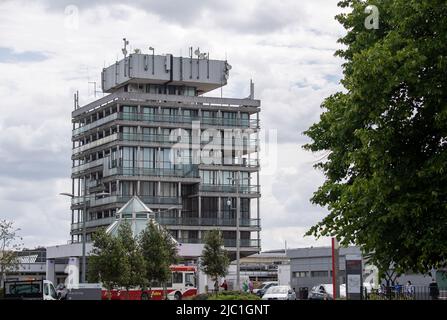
385 136
159 252
215 261
133 274
10 243
108 261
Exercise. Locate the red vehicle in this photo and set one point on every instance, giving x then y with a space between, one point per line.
182 285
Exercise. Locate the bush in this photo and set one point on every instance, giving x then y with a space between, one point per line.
202 296
1 293
226 295
236 296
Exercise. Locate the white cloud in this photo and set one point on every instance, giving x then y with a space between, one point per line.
286 48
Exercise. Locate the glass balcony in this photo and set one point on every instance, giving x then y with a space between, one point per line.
156 138
148 200
94 124
228 243
95 143
244 243
86 166
93 223
186 221
242 189
214 121
187 171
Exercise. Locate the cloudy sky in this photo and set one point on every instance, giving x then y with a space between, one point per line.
49 49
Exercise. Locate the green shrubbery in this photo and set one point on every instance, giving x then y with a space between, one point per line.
226 295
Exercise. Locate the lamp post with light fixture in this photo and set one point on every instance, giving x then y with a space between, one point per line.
237 180
84 229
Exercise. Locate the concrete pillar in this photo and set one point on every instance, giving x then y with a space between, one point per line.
51 271
219 208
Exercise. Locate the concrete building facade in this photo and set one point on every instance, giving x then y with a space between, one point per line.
192 159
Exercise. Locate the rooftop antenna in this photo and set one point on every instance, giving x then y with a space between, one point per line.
153 58
124 50
190 62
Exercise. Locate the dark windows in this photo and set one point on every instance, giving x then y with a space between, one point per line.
318 274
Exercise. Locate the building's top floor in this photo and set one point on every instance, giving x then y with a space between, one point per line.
199 72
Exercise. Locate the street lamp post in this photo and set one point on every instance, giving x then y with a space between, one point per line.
238 236
84 228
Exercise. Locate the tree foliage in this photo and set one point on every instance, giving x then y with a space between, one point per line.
386 182
108 261
133 275
215 259
10 243
159 252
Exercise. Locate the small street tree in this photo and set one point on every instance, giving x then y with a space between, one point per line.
108 261
215 259
159 252
133 274
10 243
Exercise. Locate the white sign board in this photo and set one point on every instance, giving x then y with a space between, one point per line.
354 283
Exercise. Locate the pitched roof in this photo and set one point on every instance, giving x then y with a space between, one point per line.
137 214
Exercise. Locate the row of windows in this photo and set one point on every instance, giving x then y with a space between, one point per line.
224 177
315 274
162 89
185 112
149 188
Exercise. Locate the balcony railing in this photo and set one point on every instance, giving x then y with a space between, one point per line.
95 124
95 143
215 121
243 189
239 142
187 171
148 200
186 221
93 223
229 243
156 138
251 243
86 166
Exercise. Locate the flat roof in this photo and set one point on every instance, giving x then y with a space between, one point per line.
203 74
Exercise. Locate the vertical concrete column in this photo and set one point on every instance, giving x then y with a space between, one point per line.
219 208
159 188
50 273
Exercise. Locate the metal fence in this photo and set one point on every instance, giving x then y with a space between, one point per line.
406 293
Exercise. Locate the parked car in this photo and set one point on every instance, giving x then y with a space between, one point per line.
279 293
264 287
61 291
325 292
